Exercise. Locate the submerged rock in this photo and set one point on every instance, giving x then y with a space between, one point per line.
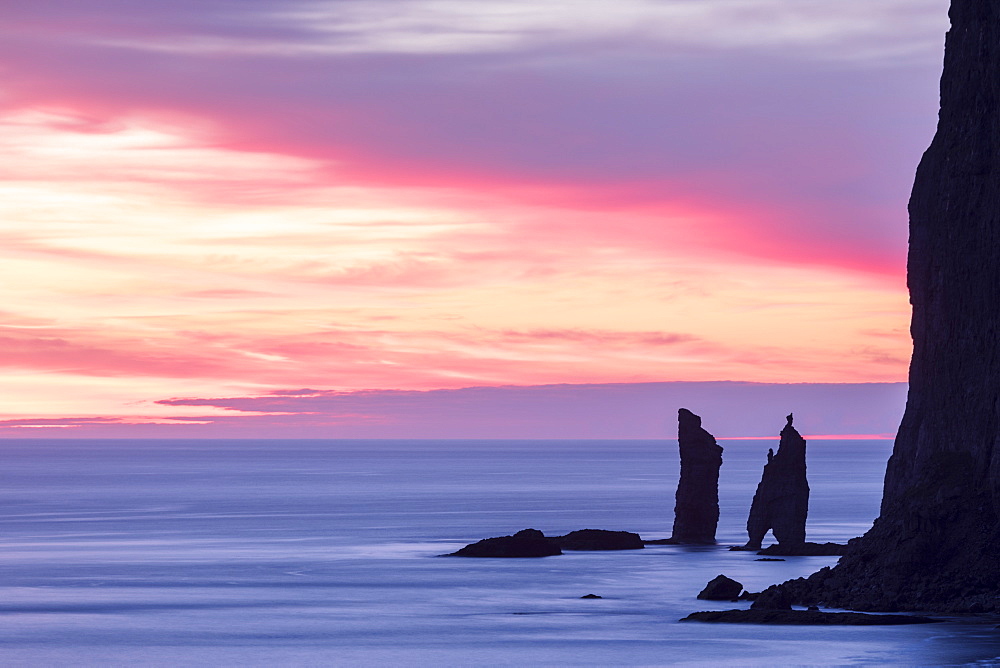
721 588
525 543
599 539
782 499
696 509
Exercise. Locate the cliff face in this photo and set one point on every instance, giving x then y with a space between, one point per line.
782 499
935 544
696 513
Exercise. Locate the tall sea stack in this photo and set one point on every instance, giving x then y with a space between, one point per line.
936 543
696 513
782 499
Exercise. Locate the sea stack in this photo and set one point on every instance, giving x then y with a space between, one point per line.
782 499
696 512
935 543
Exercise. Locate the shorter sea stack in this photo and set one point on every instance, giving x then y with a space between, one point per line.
782 499
696 510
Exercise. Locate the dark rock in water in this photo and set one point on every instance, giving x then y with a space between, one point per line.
804 618
721 588
768 559
599 539
934 545
661 541
533 543
772 598
805 550
696 509
525 543
782 499
591 596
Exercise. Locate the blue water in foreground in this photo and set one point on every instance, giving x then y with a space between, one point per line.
318 553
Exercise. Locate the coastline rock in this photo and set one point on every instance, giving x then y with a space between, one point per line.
721 588
525 543
599 539
934 545
781 502
803 617
805 550
696 508
772 598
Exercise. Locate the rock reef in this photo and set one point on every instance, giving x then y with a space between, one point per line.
782 499
806 549
934 544
524 544
534 543
803 618
591 540
696 509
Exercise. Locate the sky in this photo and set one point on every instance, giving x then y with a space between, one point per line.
218 216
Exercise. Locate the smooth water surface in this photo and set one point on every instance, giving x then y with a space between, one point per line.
318 553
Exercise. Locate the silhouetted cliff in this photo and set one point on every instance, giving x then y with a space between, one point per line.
936 544
781 502
696 511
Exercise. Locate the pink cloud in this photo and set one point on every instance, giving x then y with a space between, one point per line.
600 338
57 354
357 358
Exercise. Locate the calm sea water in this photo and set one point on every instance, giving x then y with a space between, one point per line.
318 553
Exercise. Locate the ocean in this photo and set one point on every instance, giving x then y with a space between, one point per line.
325 553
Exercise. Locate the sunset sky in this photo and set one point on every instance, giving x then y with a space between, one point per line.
208 205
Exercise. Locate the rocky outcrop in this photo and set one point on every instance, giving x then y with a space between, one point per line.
721 588
934 545
773 598
591 540
525 543
696 509
782 499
